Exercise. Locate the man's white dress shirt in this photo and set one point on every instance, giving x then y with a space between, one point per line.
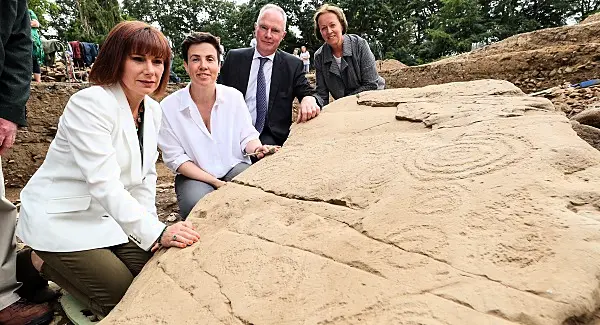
183 136
251 90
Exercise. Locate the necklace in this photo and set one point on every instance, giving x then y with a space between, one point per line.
139 116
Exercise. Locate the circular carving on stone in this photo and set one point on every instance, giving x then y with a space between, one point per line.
278 276
268 275
525 251
235 262
466 156
374 177
442 198
427 239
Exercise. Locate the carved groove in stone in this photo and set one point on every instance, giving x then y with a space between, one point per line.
442 198
264 268
465 157
425 239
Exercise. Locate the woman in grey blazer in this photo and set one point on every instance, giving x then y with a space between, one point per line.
345 64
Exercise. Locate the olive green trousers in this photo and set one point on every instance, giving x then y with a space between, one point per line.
99 277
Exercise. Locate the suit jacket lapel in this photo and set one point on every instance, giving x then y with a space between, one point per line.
275 75
335 69
245 70
346 52
128 127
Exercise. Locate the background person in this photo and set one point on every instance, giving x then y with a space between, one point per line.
206 127
89 211
305 57
222 51
15 78
38 50
344 64
270 79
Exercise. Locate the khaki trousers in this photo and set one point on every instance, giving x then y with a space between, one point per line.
8 249
99 277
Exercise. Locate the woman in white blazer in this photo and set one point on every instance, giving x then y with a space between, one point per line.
89 211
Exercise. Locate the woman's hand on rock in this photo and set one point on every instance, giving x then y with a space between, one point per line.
181 234
218 183
265 150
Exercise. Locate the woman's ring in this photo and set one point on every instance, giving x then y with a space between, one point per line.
175 237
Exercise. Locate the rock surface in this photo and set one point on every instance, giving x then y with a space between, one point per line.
467 203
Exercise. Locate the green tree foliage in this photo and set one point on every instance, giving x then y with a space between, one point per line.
44 9
412 31
583 8
455 27
87 20
177 18
510 17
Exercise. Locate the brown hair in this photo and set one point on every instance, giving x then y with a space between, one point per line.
330 9
126 38
198 38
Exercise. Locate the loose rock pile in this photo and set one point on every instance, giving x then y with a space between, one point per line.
466 203
572 100
582 106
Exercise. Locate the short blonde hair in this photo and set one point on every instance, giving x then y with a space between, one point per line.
330 9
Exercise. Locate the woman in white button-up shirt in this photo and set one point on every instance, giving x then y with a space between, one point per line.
207 129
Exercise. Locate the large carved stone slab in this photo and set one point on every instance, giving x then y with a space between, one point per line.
470 208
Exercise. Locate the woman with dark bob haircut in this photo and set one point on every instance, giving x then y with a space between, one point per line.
89 211
344 64
207 132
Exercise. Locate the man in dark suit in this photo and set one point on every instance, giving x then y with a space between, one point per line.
270 79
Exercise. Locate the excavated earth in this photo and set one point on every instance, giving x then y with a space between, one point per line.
464 203
532 61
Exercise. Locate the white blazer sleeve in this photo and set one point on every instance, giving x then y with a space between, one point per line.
88 122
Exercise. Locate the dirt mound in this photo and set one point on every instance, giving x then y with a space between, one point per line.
591 19
442 205
388 65
532 61
44 107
